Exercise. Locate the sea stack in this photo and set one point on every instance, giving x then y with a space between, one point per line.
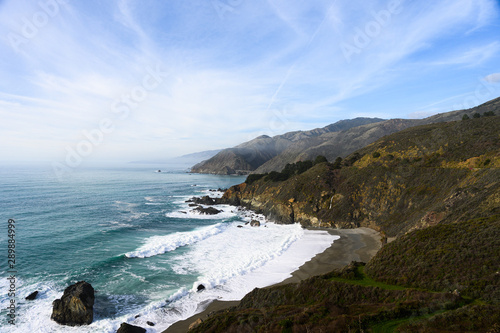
76 306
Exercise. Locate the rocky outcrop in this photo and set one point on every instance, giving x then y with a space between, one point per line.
205 200
127 328
207 211
76 306
32 296
255 223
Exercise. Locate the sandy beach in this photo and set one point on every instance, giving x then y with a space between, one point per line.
359 244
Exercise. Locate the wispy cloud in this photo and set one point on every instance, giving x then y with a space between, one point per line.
263 67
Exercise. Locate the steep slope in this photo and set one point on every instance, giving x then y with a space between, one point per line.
437 188
265 154
342 143
408 180
248 156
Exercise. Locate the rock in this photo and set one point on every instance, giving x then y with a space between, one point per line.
150 323
194 324
205 200
32 296
127 328
76 306
207 211
200 288
255 223
240 226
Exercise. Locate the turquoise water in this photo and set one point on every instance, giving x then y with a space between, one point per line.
131 235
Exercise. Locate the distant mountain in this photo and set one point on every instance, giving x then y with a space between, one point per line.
250 155
266 154
188 159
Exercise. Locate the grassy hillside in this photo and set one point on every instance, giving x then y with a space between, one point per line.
436 189
409 180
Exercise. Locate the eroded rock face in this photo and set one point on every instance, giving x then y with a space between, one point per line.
76 306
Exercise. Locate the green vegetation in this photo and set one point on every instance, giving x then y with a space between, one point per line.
324 304
289 171
435 188
361 279
465 117
460 256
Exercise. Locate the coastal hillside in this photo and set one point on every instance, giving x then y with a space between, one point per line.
409 180
434 191
248 156
266 154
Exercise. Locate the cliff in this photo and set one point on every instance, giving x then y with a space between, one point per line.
409 180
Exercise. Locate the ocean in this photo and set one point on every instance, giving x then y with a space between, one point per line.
130 233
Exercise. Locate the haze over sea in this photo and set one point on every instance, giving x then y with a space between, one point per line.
130 233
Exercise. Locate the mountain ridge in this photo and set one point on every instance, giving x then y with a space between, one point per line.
266 154
248 156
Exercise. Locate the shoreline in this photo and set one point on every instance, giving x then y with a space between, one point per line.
359 244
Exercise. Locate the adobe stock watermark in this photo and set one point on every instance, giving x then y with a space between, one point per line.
222 7
30 26
121 109
372 29
487 88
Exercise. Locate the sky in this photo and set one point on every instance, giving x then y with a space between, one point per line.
89 81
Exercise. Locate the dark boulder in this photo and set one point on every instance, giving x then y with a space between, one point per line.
127 328
207 211
205 200
200 288
150 323
255 223
76 306
32 296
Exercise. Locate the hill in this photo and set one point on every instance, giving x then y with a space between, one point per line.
266 154
434 190
248 156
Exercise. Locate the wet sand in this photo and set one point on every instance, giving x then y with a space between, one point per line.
359 244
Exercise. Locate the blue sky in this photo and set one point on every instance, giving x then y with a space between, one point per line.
87 81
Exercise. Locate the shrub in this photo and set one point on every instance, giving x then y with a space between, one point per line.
476 115
488 114
338 163
320 159
465 117
254 177
376 154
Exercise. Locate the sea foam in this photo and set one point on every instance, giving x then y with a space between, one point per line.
161 244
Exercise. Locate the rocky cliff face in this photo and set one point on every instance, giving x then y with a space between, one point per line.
412 179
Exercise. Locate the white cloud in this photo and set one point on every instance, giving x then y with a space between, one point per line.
493 78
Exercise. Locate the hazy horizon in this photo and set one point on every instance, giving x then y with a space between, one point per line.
86 83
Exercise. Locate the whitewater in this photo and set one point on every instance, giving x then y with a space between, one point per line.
132 235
